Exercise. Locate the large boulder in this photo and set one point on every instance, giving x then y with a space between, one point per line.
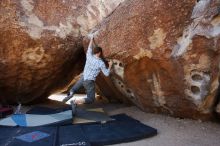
166 55
41 44
165 52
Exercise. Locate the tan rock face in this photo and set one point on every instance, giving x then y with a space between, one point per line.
40 44
166 55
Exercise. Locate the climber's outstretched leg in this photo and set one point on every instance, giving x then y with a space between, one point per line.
74 89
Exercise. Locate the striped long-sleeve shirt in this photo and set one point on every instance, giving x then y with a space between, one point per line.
93 66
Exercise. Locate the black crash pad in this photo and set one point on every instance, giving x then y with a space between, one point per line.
122 129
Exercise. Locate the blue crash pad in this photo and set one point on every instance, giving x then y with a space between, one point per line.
122 129
19 119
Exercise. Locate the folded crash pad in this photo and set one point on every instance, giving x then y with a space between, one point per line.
83 115
31 120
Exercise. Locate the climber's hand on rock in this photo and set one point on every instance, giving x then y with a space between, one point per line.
91 36
110 64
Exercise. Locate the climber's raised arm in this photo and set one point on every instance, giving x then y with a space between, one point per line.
89 51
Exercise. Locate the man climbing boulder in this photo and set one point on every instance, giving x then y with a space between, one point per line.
94 65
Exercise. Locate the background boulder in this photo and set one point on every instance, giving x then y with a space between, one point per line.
166 55
41 44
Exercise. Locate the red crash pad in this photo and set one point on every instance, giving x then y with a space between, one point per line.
5 111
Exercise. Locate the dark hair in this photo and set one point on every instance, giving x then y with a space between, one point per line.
97 50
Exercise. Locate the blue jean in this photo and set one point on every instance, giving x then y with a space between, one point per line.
89 85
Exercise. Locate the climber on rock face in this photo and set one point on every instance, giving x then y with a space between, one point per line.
94 64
